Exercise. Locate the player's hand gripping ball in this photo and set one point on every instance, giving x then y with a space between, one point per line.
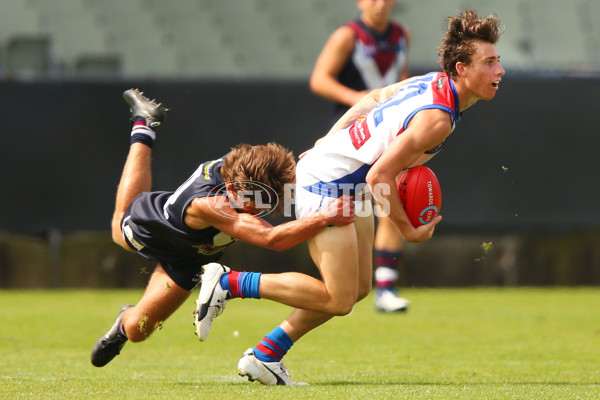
420 194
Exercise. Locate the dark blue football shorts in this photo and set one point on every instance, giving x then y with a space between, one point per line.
185 270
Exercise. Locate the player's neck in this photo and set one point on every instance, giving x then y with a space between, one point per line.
466 97
379 26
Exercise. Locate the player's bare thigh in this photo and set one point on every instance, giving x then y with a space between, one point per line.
365 231
343 256
335 252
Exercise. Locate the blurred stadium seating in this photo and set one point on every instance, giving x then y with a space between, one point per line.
267 38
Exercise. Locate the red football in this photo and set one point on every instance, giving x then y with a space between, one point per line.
420 194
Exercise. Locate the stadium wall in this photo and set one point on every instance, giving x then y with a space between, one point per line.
517 171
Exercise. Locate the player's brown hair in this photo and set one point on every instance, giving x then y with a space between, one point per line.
463 30
263 169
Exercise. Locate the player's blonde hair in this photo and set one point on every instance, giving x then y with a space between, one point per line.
263 169
463 31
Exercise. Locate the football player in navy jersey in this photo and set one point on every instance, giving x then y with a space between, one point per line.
387 131
368 53
191 226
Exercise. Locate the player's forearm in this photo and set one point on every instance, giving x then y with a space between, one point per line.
289 234
382 183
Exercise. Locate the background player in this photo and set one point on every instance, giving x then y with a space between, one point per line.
365 54
193 225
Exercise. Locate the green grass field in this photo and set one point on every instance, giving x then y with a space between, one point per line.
452 344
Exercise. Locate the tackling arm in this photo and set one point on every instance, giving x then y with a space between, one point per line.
212 211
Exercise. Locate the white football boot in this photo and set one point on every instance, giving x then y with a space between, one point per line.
267 373
211 300
387 300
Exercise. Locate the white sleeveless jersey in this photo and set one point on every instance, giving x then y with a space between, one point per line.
343 158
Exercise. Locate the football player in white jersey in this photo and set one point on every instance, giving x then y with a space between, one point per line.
386 132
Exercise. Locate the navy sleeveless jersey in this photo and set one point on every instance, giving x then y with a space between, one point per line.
154 223
376 61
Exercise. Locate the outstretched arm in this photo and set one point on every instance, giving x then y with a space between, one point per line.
213 211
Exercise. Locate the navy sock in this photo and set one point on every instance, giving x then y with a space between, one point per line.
140 133
386 271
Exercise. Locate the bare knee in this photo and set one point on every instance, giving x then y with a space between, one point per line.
117 235
342 307
115 225
140 328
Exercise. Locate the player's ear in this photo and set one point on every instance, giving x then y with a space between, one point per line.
231 194
460 68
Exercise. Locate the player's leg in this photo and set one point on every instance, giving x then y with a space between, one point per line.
330 296
336 271
137 174
301 320
337 246
388 249
365 231
334 251
220 284
335 294
264 360
135 179
161 298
